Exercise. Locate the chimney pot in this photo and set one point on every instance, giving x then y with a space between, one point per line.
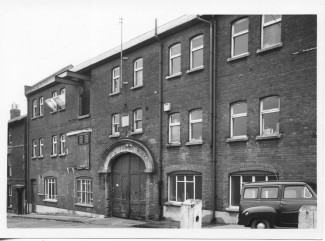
15 111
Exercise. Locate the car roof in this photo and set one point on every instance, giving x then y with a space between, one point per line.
274 183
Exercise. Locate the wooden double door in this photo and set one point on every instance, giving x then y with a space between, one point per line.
129 187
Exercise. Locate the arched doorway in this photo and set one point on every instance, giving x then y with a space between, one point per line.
129 187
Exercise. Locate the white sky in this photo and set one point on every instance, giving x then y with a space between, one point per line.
38 37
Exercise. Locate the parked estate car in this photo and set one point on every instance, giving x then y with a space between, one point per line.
274 204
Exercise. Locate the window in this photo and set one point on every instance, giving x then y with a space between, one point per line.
240 37
238 127
270 192
85 191
34 113
175 59
83 139
271 30
237 181
138 72
50 188
137 120
116 80
197 52
10 136
61 99
184 186
174 128
298 192
9 200
41 146
9 168
196 125
34 148
54 145
270 113
55 107
62 144
116 124
41 106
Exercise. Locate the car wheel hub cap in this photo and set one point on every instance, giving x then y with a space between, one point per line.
260 225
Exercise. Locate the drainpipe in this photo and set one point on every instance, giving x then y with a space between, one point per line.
160 176
212 105
26 139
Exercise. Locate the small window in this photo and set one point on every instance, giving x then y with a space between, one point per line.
239 120
34 148
41 106
34 113
138 72
41 146
195 125
174 128
197 52
50 188
116 80
10 136
175 59
270 113
297 192
240 37
271 30
85 191
62 144
270 192
54 145
9 168
116 124
9 200
137 120
250 193
61 101
83 139
55 107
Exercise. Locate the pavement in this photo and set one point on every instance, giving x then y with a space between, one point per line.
114 221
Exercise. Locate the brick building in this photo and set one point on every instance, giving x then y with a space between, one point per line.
16 162
193 110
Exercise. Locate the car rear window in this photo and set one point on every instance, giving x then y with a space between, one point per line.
299 192
250 193
269 192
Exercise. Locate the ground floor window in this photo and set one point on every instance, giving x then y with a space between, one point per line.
238 179
85 191
9 200
183 186
50 188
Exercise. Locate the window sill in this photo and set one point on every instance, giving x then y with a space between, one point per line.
176 144
50 200
83 116
62 109
115 93
232 209
82 167
40 116
34 118
173 75
237 139
54 156
266 137
84 205
63 154
269 48
193 143
53 112
136 87
173 203
40 157
195 69
114 135
34 157
136 132
238 57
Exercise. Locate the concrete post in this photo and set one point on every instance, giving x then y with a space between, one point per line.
191 214
307 217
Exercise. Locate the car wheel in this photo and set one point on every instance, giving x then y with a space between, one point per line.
260 224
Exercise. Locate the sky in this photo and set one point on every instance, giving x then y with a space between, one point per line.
39 37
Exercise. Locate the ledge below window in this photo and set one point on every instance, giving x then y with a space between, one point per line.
232 209
238 57
136 87
83 116
84 205
40 157
114 135
54 156
173 75
173 203
193 143
34 157
269 48
63 154
274 136
116 93
34 118
53 112
136 132
173 144
195 69
62 109
50 200
237 139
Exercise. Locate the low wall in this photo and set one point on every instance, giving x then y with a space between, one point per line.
173 212
60 211
307 217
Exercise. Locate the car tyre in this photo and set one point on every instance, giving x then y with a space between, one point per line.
260 224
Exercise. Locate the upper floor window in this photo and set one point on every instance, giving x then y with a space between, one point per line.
240 37
197 52
34 148
239 120
10 136
62 144
61 100
116 80
138 72
175 59
41 106
9 200
174 128
54 145
270 115
271 30
85 191
115 124
195 125
50 188
34 113
137 120
41 146
54 94
9 173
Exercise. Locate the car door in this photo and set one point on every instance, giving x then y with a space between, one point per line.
293 198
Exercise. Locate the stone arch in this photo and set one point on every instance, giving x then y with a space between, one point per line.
126 146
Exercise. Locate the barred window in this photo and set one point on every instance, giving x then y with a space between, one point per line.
50 188
85 191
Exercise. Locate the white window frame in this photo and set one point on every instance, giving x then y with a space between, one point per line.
237 35
173 57
136 119
62 144
34 143
54 145
262 112
34 109
87 189
194 122
170 128
116 124
233 116
115 81
185 181
41 106
9 167
193 50
10 196
136 82
41 146
50 181
265 25
63 96
55 108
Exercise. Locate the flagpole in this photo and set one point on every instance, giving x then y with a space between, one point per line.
121 67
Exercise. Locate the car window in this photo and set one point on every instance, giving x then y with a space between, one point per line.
250 193
298 192
269 192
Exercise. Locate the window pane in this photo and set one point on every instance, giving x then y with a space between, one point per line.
197 131
189 178
271 123
272 35
138 64
176 49
235 190
250 193
240 126
172 190
175 134
293 192
197 58
271 103
307 193
196 115
189 190
180 178
247 179
269 192
241 44
259 178
138 78
197 42
176 65
269 18
175 118
272 178
198 187
241 25
138 125
180 192
239 108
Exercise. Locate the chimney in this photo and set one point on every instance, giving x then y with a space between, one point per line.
14 112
